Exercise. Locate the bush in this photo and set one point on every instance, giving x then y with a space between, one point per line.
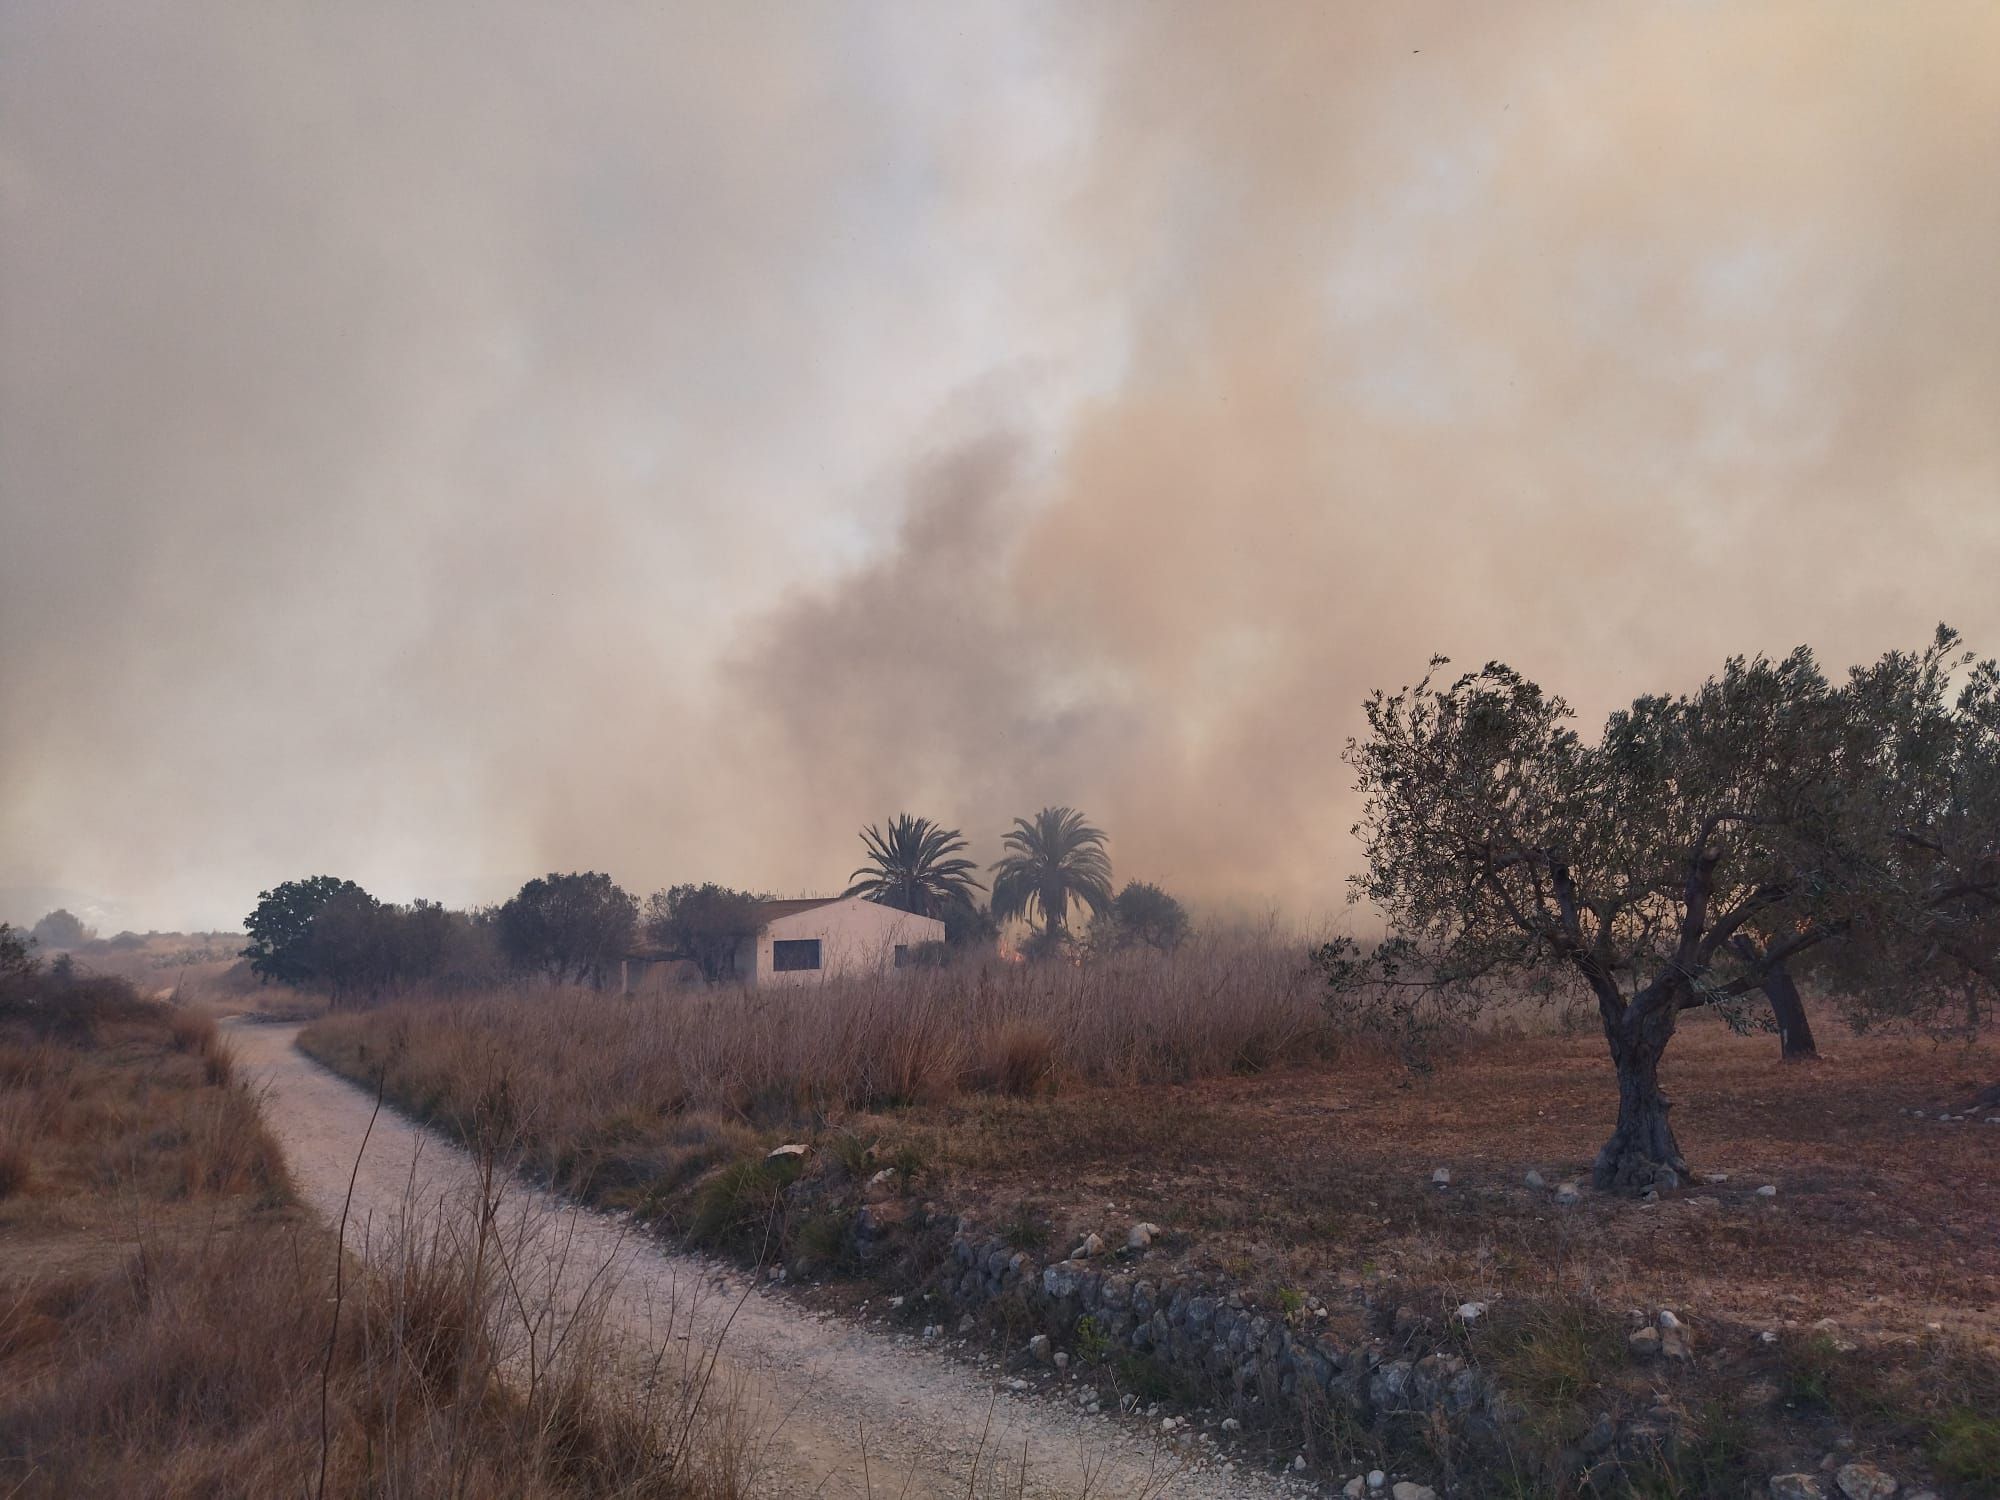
742 1206
62 929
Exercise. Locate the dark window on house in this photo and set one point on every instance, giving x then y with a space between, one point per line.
902 954
791 954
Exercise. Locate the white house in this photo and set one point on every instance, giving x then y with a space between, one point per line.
830 937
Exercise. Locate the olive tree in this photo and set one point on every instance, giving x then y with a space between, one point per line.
1142 915
704 924
1929 950
570 927
1768 802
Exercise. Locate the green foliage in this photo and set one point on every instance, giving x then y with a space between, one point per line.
969 926
742 1206
822 1238
330 934
1149 1380
915 866
909 1163
1047 943
1714 1458
569 927
1026 1229
1810 1370
855 1156
1092 1342
1053 862
703 924
1964 1445
62 929
17 957
1863 816
1139 916
280 926
1547 1354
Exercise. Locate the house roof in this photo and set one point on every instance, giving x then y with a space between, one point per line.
769 911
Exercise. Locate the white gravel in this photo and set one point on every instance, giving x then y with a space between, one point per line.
832 1407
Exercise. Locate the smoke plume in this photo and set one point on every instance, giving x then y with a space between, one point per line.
442 445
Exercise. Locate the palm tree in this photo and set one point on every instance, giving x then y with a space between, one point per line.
912 867
1053 861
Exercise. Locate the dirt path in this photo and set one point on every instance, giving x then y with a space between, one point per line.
834 1409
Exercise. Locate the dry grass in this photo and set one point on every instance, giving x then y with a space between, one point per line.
172 1324
1288 1159
804 1053
641 1102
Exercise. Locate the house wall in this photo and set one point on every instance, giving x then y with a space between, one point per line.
856 936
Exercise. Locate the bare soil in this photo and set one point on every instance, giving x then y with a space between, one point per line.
1318 1179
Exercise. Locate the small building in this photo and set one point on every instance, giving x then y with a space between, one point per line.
831 937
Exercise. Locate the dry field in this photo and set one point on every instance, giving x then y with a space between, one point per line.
1295 1161
202 969
1322 1175
173 1324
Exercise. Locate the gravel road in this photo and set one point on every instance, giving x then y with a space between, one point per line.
830 1407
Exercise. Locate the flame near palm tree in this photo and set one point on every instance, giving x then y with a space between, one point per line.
1053 860
915 867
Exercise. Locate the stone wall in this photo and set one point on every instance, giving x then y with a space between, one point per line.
1202 1337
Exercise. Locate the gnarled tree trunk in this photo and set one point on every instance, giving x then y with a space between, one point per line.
1795 1038
1642 1151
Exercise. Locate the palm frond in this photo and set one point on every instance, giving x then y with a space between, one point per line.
1055 860
914 863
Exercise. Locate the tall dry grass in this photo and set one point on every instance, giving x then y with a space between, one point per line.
562 1062
172 1324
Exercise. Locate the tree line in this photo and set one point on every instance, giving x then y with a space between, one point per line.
328 933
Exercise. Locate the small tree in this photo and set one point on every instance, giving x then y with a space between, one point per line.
280 926
969 927
1139 916
61 929
1053 862
17 960
1498 843
350 946
703 924
569 927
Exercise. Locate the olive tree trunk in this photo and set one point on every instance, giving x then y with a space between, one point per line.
1795 1038
1642 1151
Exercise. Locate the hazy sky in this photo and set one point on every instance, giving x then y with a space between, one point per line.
440 444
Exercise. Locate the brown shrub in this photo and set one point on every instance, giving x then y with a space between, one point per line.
192 1031
1017 1057
225 1149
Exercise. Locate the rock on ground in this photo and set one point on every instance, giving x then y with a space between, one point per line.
1864 1481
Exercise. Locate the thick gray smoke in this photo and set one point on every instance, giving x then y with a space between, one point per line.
438 446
